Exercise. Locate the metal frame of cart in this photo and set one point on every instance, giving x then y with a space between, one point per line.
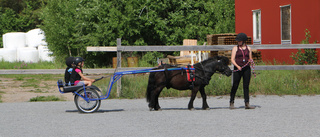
88 100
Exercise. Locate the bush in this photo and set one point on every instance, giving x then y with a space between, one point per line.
309 56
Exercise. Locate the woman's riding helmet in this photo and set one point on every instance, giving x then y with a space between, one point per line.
241 37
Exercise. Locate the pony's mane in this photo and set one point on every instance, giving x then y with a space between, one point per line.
223 59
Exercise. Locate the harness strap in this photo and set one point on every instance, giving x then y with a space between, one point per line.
190 74
166 76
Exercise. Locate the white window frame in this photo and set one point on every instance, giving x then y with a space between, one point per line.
286 41
256 40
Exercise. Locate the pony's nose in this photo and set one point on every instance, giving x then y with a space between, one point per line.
228 73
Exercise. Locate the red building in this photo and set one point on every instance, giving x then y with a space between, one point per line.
278 22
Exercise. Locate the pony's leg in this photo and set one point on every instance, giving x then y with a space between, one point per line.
193 96
151 103
156 105
204 98
154 102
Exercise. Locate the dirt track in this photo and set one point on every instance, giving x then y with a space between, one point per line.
276 116
13 90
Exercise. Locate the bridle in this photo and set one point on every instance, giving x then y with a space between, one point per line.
206 78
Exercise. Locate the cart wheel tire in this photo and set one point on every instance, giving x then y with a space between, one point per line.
87 106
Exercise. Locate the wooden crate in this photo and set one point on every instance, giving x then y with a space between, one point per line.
181 61
188 42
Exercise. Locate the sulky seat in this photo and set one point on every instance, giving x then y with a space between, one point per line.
66 89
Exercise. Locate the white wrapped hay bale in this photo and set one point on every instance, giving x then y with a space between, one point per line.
3 40
44 53
14 40
9 55
35 38
27 54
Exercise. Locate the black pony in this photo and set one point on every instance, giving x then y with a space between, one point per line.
177 79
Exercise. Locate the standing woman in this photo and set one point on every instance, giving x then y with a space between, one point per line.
241 56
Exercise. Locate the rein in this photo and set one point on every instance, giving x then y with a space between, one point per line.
252 66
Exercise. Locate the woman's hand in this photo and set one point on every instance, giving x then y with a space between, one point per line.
239 68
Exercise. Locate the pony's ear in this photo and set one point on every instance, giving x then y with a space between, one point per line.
217 57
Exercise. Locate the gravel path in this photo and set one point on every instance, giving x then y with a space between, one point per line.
291 116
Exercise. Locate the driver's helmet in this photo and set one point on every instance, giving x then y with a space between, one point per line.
77 60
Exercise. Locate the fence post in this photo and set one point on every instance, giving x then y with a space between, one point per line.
118 65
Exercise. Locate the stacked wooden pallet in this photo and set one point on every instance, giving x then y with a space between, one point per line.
213 38
256 56
231 40
226 53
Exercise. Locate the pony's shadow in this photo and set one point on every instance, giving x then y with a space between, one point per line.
213 108
99 111
240 107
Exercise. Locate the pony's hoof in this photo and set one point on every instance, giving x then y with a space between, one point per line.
150 108
159 109
206 108
191 109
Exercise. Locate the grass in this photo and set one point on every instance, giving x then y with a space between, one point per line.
38 91
267 82
1 92
281 82
24 65
46 98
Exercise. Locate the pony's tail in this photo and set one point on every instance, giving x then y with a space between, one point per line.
151 85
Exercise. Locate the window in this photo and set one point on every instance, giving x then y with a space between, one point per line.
286 24
256 17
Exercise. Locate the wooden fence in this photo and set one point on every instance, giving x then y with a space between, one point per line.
119 48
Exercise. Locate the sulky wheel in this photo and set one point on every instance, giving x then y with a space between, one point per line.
90 105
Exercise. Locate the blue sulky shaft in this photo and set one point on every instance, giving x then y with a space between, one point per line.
118 75
148 70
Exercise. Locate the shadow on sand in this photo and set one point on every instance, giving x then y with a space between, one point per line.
214 108
99 111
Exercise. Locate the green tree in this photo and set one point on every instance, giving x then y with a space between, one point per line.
224 14
71 26
19 15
